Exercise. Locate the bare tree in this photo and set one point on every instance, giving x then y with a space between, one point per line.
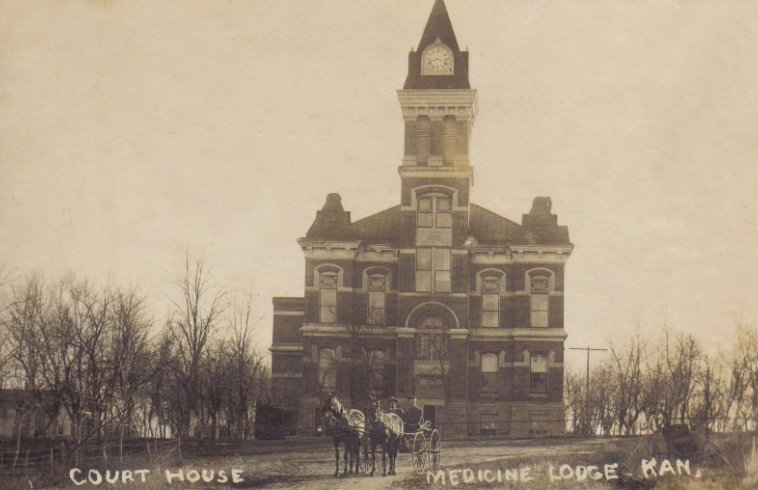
131 354
191 327
628 385
248 372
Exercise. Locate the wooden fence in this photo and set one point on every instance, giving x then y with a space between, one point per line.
52 455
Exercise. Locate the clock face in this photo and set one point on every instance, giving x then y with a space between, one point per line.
438 60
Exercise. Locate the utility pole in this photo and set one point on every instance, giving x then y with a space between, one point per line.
587 417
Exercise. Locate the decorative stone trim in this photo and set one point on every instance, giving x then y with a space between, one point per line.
535 333
323 330
541 249
459 103
382 256
290 348
458 333
462 171
433 295
289 313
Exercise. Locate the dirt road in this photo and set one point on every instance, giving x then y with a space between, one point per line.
310 464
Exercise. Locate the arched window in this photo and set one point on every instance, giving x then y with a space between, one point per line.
328 296
376 364
377 299
489 373
430 341
492 286
327 370
539 298
538 368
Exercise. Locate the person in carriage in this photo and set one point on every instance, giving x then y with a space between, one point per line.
413 418
393 408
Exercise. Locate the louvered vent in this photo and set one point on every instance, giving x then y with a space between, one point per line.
448 140
423 140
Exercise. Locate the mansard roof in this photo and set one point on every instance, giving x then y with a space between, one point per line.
538 227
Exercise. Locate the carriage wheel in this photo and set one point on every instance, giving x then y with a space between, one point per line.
418 453
364 459
435 447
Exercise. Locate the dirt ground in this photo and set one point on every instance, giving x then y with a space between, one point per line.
309 464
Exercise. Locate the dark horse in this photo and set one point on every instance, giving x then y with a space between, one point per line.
385 429
346 427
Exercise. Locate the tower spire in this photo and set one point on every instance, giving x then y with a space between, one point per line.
439 27
446 66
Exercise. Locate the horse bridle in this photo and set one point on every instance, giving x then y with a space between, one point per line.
333 413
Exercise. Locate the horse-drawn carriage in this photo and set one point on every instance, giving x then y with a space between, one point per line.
361 437
424 446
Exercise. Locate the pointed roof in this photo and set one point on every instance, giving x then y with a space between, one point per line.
332 222
439 27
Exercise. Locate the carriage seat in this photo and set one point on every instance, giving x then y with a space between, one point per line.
412 420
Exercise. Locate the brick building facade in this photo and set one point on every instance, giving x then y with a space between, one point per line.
436 297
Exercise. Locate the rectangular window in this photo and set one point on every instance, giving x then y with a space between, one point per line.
433 270
327 370
539 422
442 270
444 213
488 422
538 373
490 310
328 298
489 373
424 346
425 216
424 269
439 346
539 309
328 306
376 307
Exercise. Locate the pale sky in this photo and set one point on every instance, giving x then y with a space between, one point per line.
133 131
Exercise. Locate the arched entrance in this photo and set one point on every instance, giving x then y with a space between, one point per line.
431 364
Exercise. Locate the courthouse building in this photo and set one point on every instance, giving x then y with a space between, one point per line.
436 297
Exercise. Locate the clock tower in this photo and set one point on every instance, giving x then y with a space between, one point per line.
438 107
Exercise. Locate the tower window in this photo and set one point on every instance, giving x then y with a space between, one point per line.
433 270
434 211
377 299
539 299
489 373
538 365
328 297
